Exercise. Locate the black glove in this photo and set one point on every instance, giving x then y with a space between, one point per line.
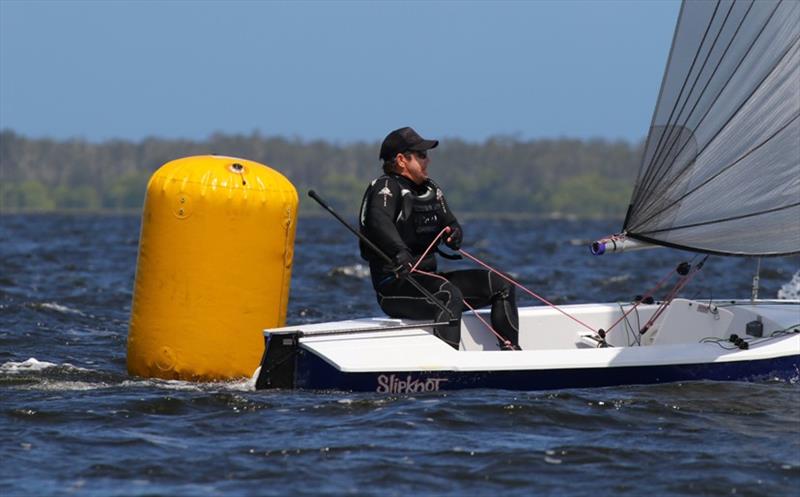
403 263
453 239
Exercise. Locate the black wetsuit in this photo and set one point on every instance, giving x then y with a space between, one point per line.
398 215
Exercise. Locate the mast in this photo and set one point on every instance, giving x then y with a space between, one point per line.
756 279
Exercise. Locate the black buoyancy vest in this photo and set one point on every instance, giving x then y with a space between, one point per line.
420 214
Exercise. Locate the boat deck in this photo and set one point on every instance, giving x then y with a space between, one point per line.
552 340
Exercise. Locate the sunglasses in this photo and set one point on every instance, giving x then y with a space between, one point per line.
422 154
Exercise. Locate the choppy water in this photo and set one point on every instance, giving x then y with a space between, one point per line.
73 423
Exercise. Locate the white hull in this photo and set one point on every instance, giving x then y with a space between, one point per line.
688 341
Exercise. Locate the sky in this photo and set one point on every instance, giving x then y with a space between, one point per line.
341 71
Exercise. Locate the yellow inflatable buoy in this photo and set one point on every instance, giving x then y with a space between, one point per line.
214 265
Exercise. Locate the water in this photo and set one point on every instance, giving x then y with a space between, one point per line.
73 423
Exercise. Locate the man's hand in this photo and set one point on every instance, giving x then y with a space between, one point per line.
455 236
403 264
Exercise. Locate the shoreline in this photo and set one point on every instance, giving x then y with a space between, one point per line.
504 216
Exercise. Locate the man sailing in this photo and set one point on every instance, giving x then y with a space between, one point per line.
402 212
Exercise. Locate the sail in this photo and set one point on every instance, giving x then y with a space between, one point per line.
721 166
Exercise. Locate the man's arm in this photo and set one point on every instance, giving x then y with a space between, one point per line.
382 205
452 239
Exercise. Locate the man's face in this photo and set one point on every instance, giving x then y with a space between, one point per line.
414 166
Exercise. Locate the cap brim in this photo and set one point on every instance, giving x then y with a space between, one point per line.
425 145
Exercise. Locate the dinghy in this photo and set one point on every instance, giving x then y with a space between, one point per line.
720 175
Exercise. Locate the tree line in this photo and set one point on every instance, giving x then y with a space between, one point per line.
584 178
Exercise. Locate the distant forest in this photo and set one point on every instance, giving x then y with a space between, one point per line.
501 175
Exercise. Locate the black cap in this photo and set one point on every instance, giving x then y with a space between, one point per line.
404 140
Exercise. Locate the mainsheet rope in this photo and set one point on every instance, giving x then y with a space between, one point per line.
495 271
678 286
500 337
414 269
526 290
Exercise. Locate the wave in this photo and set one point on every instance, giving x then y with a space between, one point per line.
34 364
44 375
66 386
358 270
52 306
791 290
242 385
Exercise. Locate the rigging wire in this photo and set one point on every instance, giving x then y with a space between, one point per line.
630 332
673 293
648 294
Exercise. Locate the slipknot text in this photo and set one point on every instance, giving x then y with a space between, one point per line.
393 384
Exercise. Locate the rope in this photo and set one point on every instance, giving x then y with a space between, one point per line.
529 292
682 282
433 244
414 269
500 337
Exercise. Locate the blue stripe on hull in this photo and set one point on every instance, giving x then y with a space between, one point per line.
314 373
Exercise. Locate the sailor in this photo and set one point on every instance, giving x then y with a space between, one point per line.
402 212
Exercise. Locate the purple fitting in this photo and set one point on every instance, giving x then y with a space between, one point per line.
598 248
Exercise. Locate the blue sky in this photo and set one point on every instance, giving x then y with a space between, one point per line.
338 71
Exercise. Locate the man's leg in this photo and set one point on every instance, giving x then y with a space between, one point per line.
400 299
481 288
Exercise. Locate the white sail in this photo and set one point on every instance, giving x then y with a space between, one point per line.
721 167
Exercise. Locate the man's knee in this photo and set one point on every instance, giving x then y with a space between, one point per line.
450 294
503 290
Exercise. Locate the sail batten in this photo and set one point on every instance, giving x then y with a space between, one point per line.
725 169
721 168
723 220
